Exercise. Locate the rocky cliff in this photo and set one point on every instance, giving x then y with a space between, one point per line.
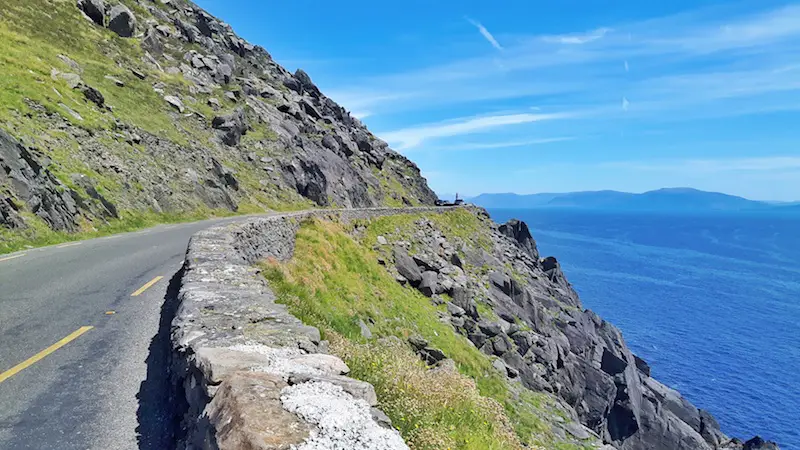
519 307
115 110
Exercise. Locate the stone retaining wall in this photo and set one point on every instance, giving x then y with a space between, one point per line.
241 362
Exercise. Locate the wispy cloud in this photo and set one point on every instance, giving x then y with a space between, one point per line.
696 57
466 146
485 33
414 136
577 38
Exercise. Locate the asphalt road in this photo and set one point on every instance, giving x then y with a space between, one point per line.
104 388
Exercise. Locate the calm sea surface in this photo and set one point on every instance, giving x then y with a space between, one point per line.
712 302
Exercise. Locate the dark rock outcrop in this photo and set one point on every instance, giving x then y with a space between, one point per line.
519 232
122 21
94 9
35 187
232 127
407 267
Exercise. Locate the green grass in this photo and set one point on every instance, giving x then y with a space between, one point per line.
334 281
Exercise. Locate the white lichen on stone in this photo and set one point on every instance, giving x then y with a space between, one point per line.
279 360
343 422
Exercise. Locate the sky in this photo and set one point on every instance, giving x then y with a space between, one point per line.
558 96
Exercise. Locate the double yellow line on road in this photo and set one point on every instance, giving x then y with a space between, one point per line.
42 354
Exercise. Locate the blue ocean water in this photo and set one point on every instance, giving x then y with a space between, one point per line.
712 302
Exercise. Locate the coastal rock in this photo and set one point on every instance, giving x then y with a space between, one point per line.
534 322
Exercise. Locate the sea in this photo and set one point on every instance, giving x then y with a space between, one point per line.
711 301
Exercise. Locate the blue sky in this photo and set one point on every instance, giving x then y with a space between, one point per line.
546 96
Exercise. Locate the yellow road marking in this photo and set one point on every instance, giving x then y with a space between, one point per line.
146 286
69 245
8 258
39 356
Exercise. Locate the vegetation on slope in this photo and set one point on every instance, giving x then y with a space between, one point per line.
335 283
138 152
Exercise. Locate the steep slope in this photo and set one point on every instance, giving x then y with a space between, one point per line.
117 113
480 295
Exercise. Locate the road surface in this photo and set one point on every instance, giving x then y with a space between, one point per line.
77 323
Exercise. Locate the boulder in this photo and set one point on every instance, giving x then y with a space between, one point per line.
462 297
151 42
519 232
306 84
430 280
430 355
490 329
246 412
455 310
642 365
93 95
501 281
757 443
232 127
122 21
175 102
138 74
407 267
94 9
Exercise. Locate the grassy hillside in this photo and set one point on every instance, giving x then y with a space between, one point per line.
152 162
335 282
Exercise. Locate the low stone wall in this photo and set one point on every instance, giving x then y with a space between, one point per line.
249 375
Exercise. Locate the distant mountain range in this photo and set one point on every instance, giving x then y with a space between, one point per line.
670 199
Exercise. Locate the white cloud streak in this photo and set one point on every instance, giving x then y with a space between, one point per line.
684 60
498 145
408 138
485 33
577 38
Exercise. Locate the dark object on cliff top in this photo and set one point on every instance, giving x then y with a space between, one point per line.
94 9
122 21
457 202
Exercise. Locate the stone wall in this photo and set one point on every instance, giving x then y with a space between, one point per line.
249 375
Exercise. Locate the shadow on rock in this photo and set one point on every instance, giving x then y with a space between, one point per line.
158 414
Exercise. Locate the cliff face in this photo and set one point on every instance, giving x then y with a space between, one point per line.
112 110
516 306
